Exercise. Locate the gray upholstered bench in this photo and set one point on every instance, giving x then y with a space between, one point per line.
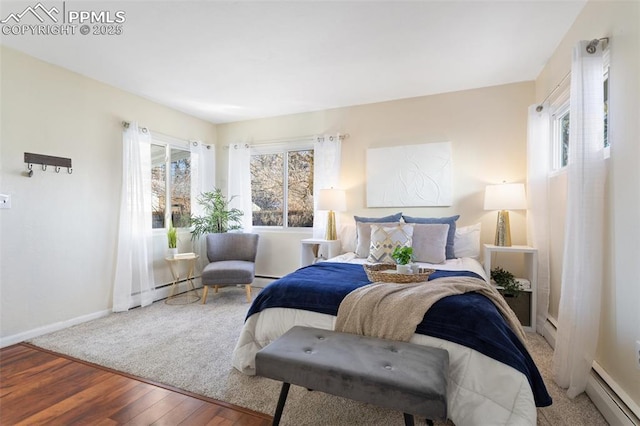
397 375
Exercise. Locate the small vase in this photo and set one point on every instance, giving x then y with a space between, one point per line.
403 269
172 252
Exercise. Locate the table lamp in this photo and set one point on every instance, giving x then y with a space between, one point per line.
504 197
332 200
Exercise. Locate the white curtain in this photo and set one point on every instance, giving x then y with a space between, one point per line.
203 179
134 282
327 151
582 269
239 185
538 156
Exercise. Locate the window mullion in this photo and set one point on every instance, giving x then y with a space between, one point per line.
285 190
167 188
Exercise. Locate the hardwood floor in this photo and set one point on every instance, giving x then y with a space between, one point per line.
42 387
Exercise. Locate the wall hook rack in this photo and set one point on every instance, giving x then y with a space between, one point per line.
46 160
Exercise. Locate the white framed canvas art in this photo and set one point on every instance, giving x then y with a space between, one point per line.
410 176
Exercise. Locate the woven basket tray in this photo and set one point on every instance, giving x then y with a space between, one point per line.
387 273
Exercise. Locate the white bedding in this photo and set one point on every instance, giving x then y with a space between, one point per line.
481 391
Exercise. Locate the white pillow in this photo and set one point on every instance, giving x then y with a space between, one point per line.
385 239
466 242
348 238
430 242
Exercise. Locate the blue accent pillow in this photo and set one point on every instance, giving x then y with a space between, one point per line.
391 218
451 221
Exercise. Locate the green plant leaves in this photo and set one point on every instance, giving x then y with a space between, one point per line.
218 217
506 280
402 255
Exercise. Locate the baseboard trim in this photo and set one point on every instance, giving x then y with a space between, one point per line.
159 294
50 328
626 405
549 332
613 403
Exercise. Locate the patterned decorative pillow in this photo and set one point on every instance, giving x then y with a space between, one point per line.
363 231
363 237
385 239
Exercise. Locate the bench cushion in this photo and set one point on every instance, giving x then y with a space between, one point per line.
397 375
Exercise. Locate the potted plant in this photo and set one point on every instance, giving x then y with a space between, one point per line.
510 287
218 217
403 256
172 238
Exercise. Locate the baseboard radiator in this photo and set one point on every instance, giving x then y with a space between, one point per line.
615 405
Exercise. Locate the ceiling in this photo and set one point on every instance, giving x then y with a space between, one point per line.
238 60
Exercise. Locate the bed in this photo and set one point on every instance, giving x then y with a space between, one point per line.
492 378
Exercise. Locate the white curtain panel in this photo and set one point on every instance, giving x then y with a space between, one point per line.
538 155
134 283
203 179
239 180
327 152
582 269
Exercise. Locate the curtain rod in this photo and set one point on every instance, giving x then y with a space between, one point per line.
126 125
310 138
591 49
555 89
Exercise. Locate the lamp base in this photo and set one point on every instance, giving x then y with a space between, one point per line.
331 233
503 230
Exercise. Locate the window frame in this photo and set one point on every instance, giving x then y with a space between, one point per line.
283 148
560 105
606 65
559 111
170 143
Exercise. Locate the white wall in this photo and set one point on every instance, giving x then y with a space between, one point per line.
620 321
58 241
487 129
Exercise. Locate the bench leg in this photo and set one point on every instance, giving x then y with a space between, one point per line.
283 398
408 419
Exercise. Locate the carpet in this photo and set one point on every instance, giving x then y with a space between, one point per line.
190 347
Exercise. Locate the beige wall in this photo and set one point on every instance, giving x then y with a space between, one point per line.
59 238
620 323
487 129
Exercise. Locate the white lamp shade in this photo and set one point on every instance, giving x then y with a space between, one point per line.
508 196
332 199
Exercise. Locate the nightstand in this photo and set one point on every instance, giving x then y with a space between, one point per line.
315 249
525 308
191 294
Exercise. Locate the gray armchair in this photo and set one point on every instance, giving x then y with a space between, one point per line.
232 259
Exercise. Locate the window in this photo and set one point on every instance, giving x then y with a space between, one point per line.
282 187
606 105
562 120
176 182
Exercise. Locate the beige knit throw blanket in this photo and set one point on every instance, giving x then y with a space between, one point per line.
393 311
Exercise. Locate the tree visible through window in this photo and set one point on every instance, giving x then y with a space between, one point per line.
565 121
282 187
176 207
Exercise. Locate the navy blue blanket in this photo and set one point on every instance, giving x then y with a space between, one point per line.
468 319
